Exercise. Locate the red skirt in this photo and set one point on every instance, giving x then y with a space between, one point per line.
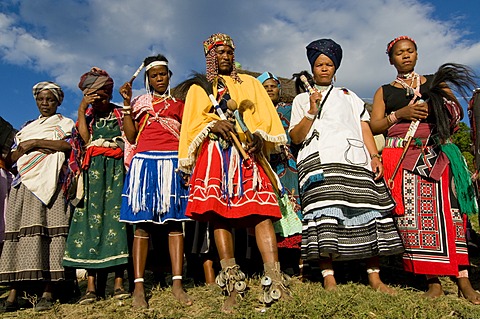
430 223
222 185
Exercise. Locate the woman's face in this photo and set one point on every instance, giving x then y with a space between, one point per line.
323 70
47 103
271 86
404 56
102 101
158 78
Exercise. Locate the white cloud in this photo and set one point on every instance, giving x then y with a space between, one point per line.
64 39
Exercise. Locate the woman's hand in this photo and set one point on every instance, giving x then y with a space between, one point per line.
256 145
413 112
126 92
314 99
377 168
223 127
27 146
86 101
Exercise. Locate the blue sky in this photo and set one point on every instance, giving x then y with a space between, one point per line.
60 40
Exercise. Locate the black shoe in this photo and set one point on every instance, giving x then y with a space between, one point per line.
8 306
44 304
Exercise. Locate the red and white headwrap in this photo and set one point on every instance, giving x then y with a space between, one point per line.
392 43
209 45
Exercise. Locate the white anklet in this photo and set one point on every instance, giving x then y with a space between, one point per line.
177 277
139 280
327 272
141 237
463 274
373 270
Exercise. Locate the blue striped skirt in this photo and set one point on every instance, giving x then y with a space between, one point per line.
153 191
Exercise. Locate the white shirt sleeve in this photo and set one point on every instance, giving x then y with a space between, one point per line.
300 106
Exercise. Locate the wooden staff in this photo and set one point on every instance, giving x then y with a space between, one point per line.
262 160
408 140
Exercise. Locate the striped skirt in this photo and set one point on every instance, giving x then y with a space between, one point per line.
153 191
339 226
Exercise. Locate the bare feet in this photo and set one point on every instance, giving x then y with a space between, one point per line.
181 295
377 284
230 302
384 289
329 283
434 289
139 301
466 290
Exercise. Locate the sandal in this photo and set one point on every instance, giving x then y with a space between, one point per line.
44 304
120 294
88 298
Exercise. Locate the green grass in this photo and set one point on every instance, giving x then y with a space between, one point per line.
310 300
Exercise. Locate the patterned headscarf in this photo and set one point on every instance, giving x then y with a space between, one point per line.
267 76
325 46
52 87
94 80
392 43
209 45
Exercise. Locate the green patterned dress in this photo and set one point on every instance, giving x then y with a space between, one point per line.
97 239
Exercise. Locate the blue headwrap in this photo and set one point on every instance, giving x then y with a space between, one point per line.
267 76
325 46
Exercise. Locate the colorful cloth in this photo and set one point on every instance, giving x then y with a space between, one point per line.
33 165
5 182
285 166
221 182
97 239
346 212
159 121
197 119
430 222
35 233
94 80
153 191
35 237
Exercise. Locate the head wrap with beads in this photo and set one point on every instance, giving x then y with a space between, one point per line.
394 41
209 45
327 47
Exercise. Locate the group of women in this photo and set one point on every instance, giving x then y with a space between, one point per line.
79 186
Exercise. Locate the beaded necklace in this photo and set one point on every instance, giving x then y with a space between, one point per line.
157 99
410 90
103 120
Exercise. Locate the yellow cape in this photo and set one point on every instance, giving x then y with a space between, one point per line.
197 120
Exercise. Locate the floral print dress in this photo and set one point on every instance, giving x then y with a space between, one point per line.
97 239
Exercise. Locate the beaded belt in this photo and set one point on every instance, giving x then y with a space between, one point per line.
399 142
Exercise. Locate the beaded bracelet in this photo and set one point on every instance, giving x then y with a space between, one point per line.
309 116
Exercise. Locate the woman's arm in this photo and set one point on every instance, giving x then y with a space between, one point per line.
300 130
369 142
82 121
379 123
130 127
44 146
